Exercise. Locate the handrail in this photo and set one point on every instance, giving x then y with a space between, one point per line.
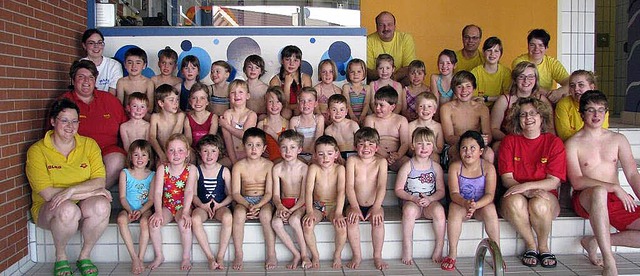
494 250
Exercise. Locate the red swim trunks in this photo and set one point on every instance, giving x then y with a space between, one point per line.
618 216
288 202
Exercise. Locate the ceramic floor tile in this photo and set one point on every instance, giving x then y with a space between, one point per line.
323 273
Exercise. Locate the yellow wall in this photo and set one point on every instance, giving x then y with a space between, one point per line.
437 24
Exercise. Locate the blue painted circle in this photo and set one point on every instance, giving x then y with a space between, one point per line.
312 40
306 68
203 58
216 41
339 51
239 49
185 45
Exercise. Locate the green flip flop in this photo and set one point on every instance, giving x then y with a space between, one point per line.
87 268
62 268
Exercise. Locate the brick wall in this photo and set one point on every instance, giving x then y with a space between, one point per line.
38 42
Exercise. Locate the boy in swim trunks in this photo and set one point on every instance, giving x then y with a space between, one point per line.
592 157
341 128
288 189
324 198
392 128
251 188
366 184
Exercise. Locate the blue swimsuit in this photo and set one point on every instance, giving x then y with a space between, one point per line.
472 188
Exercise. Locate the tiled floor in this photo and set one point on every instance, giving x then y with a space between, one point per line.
628 264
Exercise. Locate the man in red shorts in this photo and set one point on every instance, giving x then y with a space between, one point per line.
592 157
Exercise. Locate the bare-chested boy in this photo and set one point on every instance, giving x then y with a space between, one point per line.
463 113
251 187
254 69
288 195
426 107
136 127
324 198
135 60
366 185
167 62
341 128
166 121
592 167
393 128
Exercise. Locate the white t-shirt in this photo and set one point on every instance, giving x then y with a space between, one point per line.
109 72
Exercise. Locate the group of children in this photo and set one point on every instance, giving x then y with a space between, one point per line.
216 146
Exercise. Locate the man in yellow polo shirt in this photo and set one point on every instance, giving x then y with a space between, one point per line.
469 56
387 41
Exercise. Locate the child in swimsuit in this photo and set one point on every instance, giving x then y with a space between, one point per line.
288 196
420 185
220 71
417 74
385 68
328 73
342 128
307 123
173 193
135 182
290 78
472 186
254 69
200 121
190 70
357 92
236 120
274 124
212 199
442 82
324 198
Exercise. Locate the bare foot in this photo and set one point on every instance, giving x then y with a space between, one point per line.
380 264
213 265
407 261
220 262
137 266
315 263
612 270
354 263
185 264
306 262
237 263
436 257
156 262
271 263
591 246
337 263
406 256
294 263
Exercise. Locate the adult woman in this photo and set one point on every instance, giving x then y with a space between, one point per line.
550 68
101 115
110 70
568 119
67 179
524 83
531 165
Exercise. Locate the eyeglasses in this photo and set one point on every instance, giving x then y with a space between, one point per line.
599 110
66 121
95 44
466 37
526 77
531 113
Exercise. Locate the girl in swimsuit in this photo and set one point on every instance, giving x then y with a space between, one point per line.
420 185
274 124
236 120
472 186
359 95
173 191
441 83
220 71
417 73
200 121
328 73
290 78
307 123
213 198
385 68
190 69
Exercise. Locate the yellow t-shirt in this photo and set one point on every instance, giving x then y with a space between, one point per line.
468 64
492 84
46 167
568 120
550 69
401 48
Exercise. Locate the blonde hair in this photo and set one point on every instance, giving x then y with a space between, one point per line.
179 137
423 134
333 67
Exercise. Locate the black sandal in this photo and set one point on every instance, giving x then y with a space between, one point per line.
531 256
548 256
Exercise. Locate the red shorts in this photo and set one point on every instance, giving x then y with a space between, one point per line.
111 149
288 202
618 216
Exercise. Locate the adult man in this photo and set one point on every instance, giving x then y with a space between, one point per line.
469 56
592 155
387 41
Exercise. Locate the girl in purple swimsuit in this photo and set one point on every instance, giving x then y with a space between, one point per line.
472 185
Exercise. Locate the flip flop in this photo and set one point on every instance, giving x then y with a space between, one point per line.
548 256
448 264
530 255
61 268
85 266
